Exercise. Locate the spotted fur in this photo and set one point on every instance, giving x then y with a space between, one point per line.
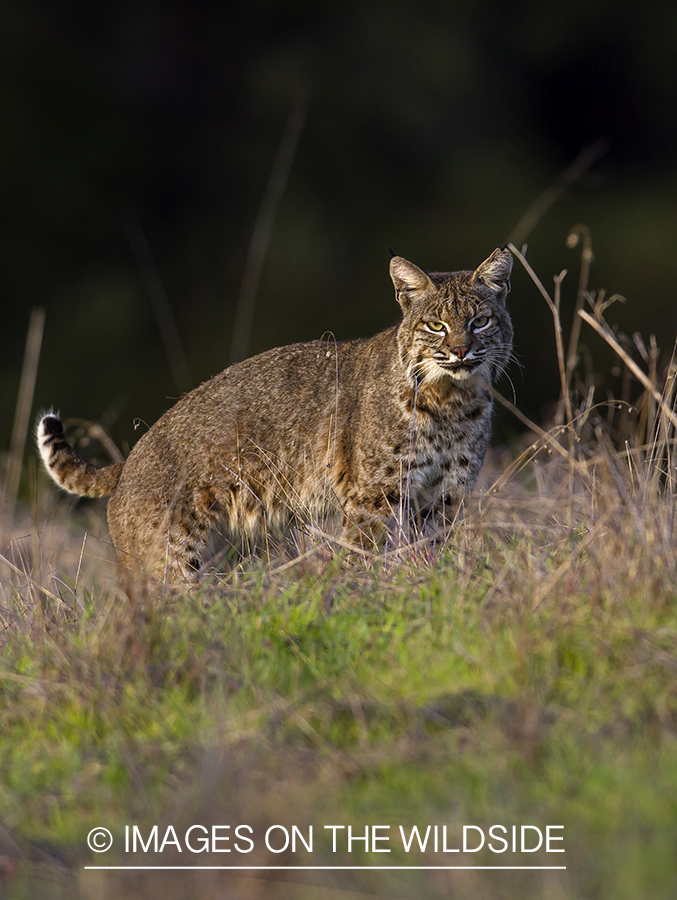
389 427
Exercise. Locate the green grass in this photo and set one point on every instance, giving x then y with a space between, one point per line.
501 680
524 672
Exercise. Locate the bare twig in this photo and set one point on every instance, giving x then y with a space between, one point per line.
258 247
23 407
584 161
561 360
553 305
96 432
37 584
534 277
581 233
164 315
82 553
525 420
603 331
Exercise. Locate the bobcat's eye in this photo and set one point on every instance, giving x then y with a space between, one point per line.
437 327
480 322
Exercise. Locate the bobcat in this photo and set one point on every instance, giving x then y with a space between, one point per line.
393 425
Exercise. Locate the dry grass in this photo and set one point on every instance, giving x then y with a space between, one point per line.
525 671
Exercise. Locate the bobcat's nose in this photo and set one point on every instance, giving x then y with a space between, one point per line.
459 351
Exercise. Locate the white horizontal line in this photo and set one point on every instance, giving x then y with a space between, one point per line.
296 868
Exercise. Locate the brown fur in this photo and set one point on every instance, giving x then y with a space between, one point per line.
398 423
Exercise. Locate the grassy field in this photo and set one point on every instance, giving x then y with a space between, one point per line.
522 674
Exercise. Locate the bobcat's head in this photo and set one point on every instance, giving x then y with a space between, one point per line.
455 324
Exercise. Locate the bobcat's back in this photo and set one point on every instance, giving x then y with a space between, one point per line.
395 425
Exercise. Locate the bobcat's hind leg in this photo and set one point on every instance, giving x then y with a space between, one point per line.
188 535
169 552
363 528
168 542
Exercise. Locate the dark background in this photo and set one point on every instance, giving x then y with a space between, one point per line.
430 127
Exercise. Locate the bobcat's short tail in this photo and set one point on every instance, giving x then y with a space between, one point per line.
67 468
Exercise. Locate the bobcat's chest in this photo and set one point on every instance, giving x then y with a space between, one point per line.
448 446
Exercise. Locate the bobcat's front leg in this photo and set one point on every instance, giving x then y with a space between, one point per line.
439 517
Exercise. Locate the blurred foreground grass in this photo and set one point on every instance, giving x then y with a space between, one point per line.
523 674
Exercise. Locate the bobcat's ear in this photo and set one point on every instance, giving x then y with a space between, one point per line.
495 272
409 281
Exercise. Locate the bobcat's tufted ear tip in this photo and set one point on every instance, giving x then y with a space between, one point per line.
495 271
407 276
409 281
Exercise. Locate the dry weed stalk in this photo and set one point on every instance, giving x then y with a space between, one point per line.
598 323
24 404
570 483
162 308
258 247
629 488
554 304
